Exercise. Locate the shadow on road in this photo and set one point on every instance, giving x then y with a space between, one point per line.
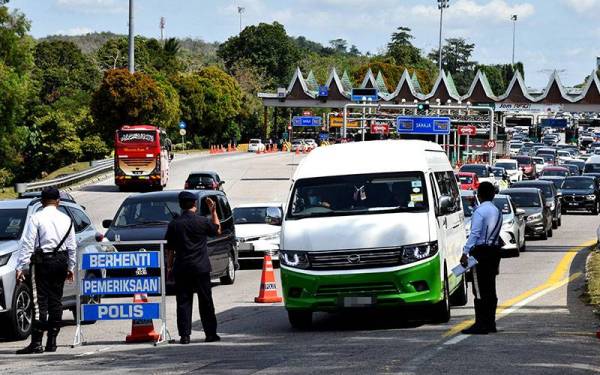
100 188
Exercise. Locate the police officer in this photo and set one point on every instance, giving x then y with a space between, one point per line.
49 247
188 263
484 244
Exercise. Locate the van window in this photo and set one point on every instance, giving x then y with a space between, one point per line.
448 187
359 194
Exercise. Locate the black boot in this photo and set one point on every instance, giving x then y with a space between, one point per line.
479 327
491 316
36 343
51 341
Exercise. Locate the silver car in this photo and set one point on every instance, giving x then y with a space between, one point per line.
513 226
16 301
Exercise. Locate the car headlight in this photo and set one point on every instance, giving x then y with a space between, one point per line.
295 259
4 259
415 253
590 197
508 224
535 217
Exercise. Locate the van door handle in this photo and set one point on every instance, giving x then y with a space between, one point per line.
456 226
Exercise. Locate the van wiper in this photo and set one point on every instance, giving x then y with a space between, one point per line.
152 222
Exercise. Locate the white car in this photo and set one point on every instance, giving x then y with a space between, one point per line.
512 168
257 228
514 148
299 145
539 164
513 225
311 143
256 145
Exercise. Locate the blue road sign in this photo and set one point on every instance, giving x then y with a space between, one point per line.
423 125
121 311
323 91
364 95
123 260
182 125
554 122
306 121
121 285
323 136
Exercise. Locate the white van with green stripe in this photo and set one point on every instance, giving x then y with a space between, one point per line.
372 225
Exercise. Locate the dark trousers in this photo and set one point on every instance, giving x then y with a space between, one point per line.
484 285
186 284
48 281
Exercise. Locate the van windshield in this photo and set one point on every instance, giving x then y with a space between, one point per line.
359 194
591 168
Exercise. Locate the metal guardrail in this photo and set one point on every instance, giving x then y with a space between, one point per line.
97 167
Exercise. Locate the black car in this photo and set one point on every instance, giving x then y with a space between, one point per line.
581 193
579 163
573 169
145 217
538 217
556 180
551 195
204 181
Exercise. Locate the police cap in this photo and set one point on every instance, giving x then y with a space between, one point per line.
187 196
50 193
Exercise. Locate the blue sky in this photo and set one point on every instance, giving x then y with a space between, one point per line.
551 34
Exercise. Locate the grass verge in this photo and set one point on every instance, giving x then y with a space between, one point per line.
73 168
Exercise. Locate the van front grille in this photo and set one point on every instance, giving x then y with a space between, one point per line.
355 259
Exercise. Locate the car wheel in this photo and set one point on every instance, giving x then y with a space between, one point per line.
229 277
563 211
441 310
20 317
300 319
460 295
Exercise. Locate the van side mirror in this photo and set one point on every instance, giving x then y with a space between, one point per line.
274 216
106 223
445 205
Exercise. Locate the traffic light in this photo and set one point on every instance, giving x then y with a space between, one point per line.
423 107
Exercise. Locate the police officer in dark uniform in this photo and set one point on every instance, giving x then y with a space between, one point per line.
49 247
484 244
188 263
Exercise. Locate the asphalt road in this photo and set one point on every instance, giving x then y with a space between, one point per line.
544 327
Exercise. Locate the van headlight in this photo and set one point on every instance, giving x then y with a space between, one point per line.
295 259
535 217
4 259
415 253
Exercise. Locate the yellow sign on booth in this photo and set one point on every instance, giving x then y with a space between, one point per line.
337 122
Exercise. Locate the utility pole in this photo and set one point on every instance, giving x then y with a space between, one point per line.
162 28
514 18
442 4
240 11
131 40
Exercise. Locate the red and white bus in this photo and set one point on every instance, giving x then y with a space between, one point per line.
142 157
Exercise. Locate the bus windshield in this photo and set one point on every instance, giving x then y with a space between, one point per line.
131 137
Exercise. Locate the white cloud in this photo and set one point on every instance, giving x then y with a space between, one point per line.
75 31
494 10
582 6
94 6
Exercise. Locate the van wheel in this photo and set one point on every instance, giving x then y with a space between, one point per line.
300 319
460 295
441 310
20 317
229 277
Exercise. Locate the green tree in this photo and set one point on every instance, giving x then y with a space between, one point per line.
456 59
339 45
114 54
400 48
15 44
125 98
266 47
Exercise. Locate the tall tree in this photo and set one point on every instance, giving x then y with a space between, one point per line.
266 47
401 49
339 45
456 59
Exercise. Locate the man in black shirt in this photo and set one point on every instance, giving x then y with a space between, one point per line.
188 262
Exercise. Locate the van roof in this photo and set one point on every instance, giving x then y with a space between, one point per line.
595 159
373 157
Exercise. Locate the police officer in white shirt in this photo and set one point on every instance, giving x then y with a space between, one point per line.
49 247
484 244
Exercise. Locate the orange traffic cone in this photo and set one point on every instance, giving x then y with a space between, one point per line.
268 286
298 151
142 330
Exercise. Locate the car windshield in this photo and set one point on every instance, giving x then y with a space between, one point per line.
250 215
503 205
555 173
506 165
538 161
200 180
479 170
11 223
525 199
591 168
545 188
136 212
359 194
469 203
465 179
557 182
548 158
578 184
498 172
255 141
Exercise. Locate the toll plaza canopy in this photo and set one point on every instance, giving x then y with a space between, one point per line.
336 92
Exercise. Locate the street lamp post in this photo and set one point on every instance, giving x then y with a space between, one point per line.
240 11
442 4
514 18
131 40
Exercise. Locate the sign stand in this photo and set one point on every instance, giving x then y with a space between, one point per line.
164 335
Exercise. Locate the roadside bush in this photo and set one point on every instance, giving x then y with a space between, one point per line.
94 148
6 178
